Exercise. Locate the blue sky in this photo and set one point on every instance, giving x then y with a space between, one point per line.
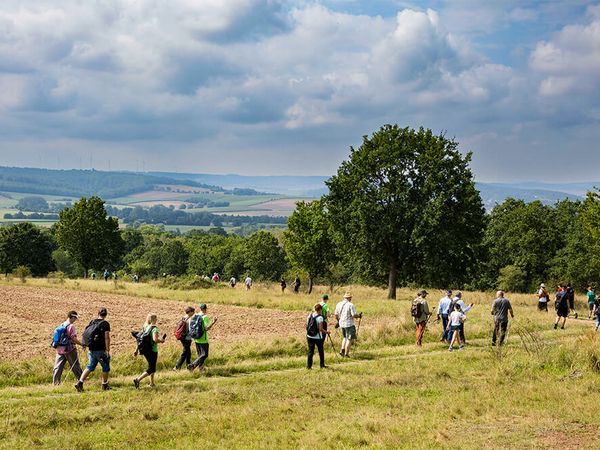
273 87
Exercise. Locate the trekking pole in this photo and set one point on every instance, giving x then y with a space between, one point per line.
358 327
332 345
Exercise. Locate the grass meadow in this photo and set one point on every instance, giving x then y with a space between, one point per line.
541 390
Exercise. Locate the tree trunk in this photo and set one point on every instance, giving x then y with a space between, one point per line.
392 280
310 284
85 273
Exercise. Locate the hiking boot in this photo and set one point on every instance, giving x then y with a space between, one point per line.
450 349
190 367
324 367
342 354
576 315
106 387
562 328
136 383
555 326
461 346
79 386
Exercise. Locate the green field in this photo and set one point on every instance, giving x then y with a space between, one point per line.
540 391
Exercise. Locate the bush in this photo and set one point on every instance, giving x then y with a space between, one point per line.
185 283
57 277
22 272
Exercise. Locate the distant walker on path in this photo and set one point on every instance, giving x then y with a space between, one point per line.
501 308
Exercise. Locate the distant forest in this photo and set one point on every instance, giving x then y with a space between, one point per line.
77 183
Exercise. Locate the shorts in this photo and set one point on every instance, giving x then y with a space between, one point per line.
454 328
572 303
349 332
98 356
152 358
562 312
591 306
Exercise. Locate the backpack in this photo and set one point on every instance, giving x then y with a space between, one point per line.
312 327
560 297
180 331
144 341
196 326
92 333
60 338
416 309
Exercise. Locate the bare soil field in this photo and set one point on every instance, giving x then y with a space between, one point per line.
28 316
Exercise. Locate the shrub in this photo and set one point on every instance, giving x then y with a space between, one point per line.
22 272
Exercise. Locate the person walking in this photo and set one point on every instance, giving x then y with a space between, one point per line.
232 282
543 298
324 310
570 293
443 311
283 285
248 282
457 300
202 340
185 339
97 338
561 305
455 320
345 313
297 284
106 274
152 355
420 313
315 336
500 310
591 296
65 348
596 312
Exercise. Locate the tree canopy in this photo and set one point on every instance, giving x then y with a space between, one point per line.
405 202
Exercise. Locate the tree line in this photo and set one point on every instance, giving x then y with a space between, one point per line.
401 210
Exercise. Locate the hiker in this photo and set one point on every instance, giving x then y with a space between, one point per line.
345 313
201 340
248 282
297 284
500 310
135 278
151 355
561 305
93 275
443 311
64 340
97 338
591 296
596 313
315 336
232 282
455 320
324 310
185 338
216 278
106 274
543 298
463 309
420 313
283 285
570 293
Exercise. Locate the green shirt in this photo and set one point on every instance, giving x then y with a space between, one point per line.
591 295
324 311
204 338
154 343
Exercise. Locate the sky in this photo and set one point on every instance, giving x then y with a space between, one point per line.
267 87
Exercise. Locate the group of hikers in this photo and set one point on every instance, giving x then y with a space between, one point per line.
193 328
451 311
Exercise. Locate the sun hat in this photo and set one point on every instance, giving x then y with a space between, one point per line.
423 292
348 295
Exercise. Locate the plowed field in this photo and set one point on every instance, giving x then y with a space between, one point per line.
28 316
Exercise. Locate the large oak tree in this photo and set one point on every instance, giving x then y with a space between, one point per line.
405 201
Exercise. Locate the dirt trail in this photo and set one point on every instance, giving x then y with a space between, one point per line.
28 315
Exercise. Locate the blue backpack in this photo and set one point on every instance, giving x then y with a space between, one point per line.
60 338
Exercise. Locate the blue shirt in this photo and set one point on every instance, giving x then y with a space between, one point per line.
444 305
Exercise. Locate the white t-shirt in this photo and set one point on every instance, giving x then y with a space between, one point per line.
248 281
319 322
346 311
456 318
542 299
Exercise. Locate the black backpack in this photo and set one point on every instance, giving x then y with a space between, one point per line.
92 333
196 326
560 299
312 327
144 341
416 309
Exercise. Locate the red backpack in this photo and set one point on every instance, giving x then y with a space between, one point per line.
180 331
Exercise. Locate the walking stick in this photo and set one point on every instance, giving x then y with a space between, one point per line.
332 345
358 327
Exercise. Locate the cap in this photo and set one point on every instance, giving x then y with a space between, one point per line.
542 285
423 292
448 291
325 297
202 305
